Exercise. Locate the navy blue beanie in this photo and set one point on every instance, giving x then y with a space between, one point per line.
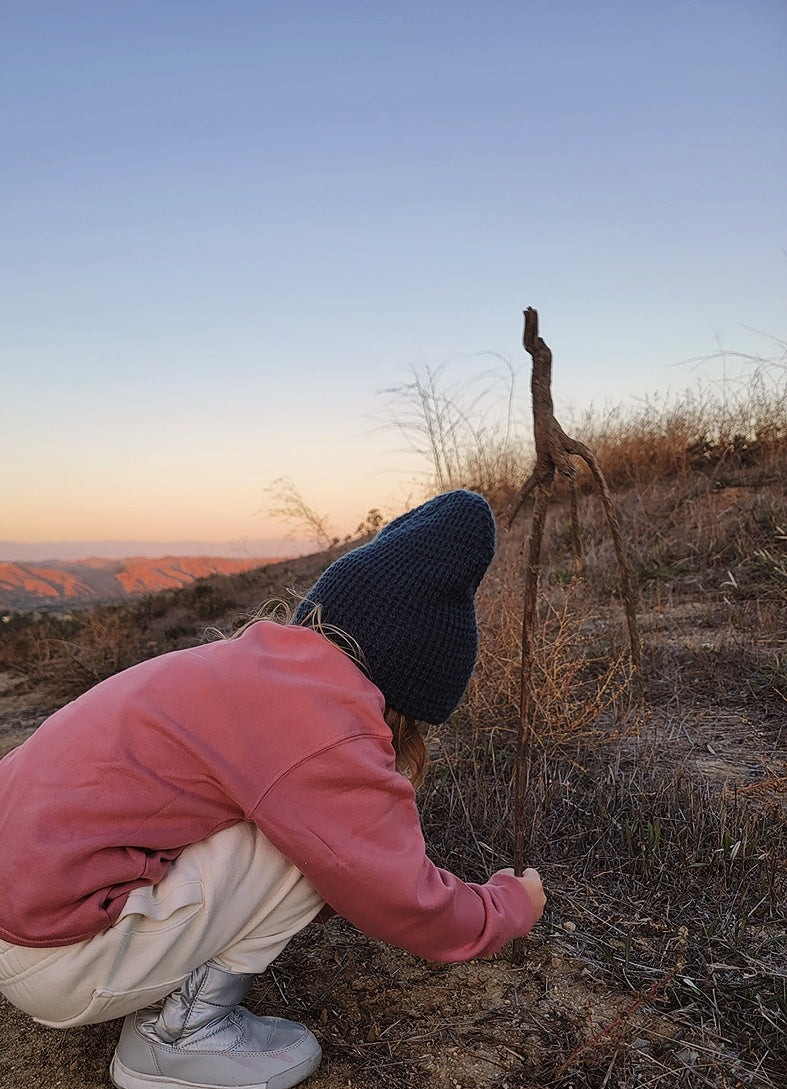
408 599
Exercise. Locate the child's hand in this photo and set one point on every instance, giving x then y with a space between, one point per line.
531 883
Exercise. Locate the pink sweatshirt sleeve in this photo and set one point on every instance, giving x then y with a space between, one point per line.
348 820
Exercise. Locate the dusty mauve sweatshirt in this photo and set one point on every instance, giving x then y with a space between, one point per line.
277 727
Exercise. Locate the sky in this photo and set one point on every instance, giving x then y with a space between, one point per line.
227 226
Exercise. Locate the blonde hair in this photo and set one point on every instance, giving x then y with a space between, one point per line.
412 757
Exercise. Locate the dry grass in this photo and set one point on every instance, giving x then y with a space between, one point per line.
721 430
637 847
475 435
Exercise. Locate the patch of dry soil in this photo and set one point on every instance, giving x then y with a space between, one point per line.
385 1018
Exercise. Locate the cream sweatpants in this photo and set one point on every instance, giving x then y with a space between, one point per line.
233 898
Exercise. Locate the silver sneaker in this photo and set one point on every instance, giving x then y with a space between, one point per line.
202 1039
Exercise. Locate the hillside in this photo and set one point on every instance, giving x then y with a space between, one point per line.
60 584
659 826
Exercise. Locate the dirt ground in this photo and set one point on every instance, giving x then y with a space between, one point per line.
385 1018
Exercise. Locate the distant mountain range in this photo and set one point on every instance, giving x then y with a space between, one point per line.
57 583
240 548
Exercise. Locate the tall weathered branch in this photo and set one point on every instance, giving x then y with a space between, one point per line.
554 453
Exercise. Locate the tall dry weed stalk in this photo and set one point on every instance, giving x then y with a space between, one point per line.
290 506
470 434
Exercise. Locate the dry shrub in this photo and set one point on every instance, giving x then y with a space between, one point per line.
103 643
26 642
701 428
581 670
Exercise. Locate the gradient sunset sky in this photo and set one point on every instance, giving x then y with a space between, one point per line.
227 225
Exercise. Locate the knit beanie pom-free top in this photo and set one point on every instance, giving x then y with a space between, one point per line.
408 599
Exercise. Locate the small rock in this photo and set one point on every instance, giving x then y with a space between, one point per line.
569 926
688 1056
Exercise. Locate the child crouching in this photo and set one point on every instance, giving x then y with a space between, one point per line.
167 833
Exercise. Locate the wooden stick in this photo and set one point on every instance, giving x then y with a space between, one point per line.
554 453
523 762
